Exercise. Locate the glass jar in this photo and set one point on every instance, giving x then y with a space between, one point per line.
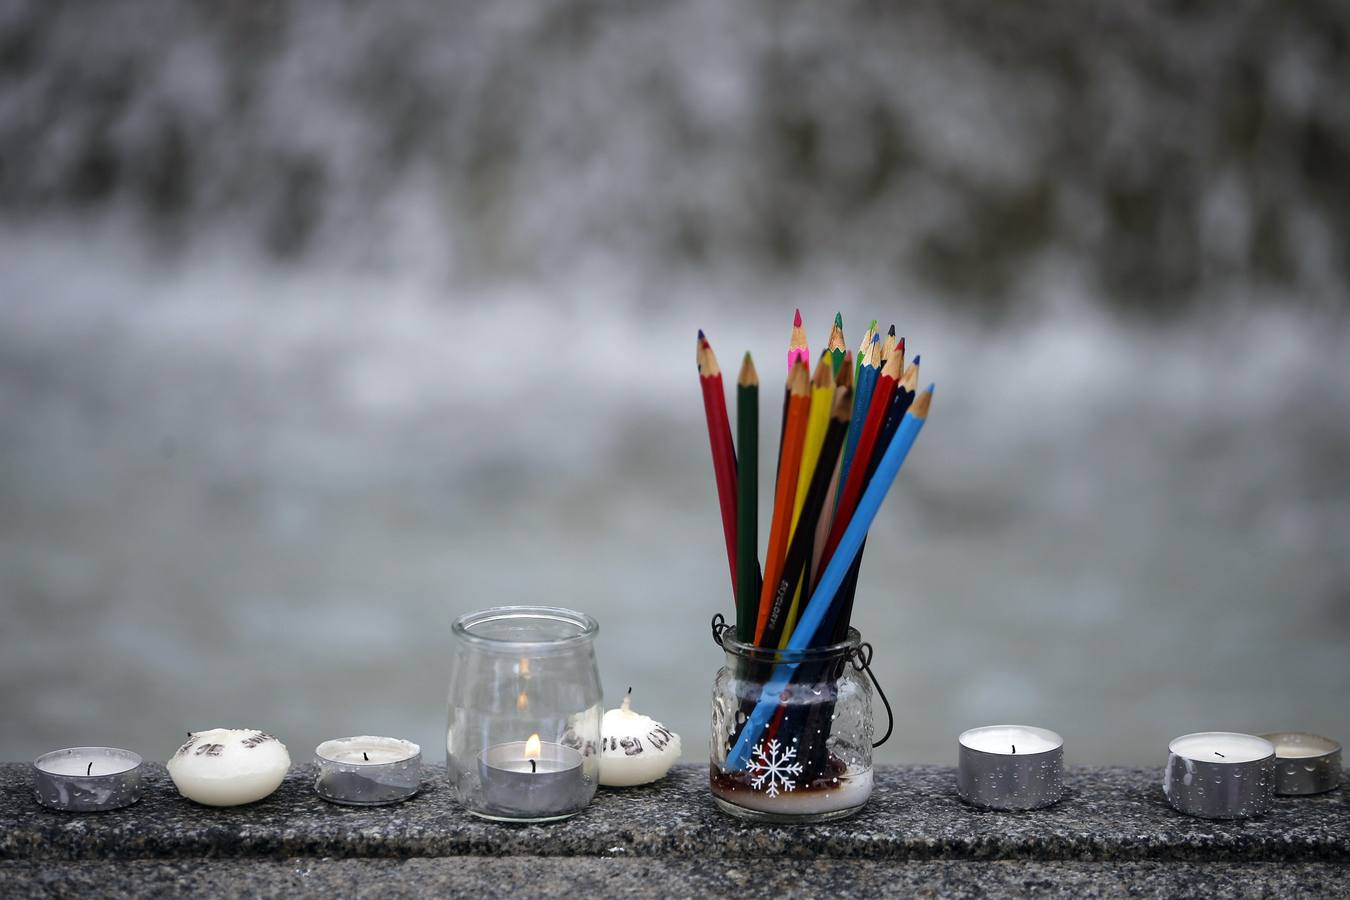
811 759
523 739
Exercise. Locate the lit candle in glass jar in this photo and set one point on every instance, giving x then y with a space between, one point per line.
532 779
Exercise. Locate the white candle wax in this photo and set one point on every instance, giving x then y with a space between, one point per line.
229 766
367 750
87 764
634 749
1011 740
1221 747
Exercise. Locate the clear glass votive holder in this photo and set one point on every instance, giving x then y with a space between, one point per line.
523 737
367 770
87 779
812 761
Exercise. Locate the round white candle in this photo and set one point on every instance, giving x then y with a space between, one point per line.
634 749
1011 740
1221 747
367 750
229 766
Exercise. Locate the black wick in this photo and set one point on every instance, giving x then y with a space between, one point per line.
90 770
1014 749
365 756
1219 755
533 767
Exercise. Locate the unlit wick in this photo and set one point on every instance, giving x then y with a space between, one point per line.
1219 755
89 771
365 756
1014 749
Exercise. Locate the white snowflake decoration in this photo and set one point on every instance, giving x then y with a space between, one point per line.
774 768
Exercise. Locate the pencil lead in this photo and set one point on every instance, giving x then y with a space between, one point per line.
700 334
838 320
916 359
876 339
797 319
892 331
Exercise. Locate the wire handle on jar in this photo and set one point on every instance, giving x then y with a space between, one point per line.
862 661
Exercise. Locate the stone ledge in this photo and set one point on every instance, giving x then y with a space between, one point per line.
517 877
1109 815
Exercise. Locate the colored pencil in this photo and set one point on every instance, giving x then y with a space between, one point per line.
861 358
818 420
836 345
862 398
789 461
747 500
888 345
856 479
719 439
844 378
794 575
823 595
797 351
836 628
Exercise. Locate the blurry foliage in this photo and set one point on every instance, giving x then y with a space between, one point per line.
1168 149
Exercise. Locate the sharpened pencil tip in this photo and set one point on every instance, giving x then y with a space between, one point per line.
876 339
838 320
916 359
700 334
892 331
932 387
797 319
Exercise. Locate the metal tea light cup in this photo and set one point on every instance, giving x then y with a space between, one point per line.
1220 775
1305 763
994 774
87 779
348 775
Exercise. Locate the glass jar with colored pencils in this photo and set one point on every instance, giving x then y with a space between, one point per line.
792 715
811 759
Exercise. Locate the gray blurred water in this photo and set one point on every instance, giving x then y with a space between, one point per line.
320 328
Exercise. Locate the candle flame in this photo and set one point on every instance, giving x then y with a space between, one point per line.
533 749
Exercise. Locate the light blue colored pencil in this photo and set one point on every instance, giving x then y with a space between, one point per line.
833 576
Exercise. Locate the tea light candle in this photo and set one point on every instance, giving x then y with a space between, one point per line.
87 779
367 771
1010 767
1305 763
229 766
532 780
1220 775
634 749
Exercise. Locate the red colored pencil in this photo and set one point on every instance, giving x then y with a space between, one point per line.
719 440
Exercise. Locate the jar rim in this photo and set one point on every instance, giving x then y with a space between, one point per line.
851 642
587 627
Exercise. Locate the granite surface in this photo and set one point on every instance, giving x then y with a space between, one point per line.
524 876
1109 815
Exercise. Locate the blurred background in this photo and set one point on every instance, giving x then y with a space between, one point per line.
322 324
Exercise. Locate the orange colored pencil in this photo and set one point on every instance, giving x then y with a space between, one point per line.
789 462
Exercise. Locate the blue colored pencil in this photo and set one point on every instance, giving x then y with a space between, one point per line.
832 577
862 401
